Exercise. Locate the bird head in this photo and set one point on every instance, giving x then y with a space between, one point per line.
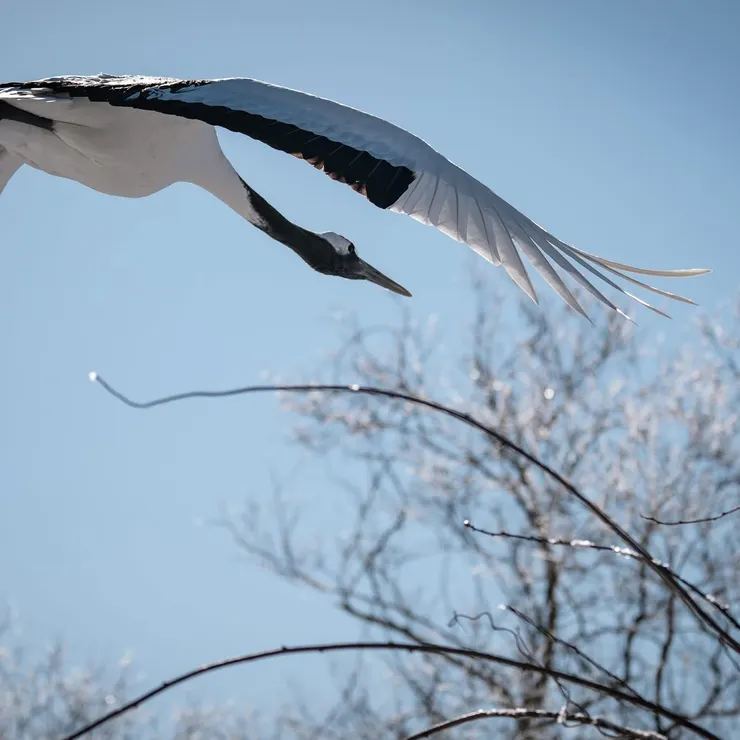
346 263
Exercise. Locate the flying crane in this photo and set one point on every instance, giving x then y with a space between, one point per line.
133 136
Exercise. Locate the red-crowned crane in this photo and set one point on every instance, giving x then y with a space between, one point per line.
133 136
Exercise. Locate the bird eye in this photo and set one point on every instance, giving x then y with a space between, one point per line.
352 249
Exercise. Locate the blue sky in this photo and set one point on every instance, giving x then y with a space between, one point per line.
612 124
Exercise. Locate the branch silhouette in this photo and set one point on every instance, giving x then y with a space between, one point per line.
676 523
399 646
629 733
588 545
666 576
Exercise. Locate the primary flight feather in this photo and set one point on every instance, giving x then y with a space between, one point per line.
133 136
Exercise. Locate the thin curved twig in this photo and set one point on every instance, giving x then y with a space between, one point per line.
665 576
409 647
630 733
624 552
691 521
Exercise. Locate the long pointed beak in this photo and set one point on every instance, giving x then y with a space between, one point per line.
368 272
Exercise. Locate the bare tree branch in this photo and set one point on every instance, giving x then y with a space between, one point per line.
692 521
588 545
561 717
638 701
666 576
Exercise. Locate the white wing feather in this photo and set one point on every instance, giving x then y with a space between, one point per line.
474 214
442 194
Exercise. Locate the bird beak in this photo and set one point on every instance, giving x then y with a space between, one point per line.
368 272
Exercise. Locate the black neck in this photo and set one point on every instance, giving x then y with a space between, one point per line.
308 245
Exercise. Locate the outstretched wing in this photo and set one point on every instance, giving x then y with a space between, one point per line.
9 165
391 167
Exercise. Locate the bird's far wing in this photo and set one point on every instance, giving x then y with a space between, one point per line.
457 204
391 167
9 165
